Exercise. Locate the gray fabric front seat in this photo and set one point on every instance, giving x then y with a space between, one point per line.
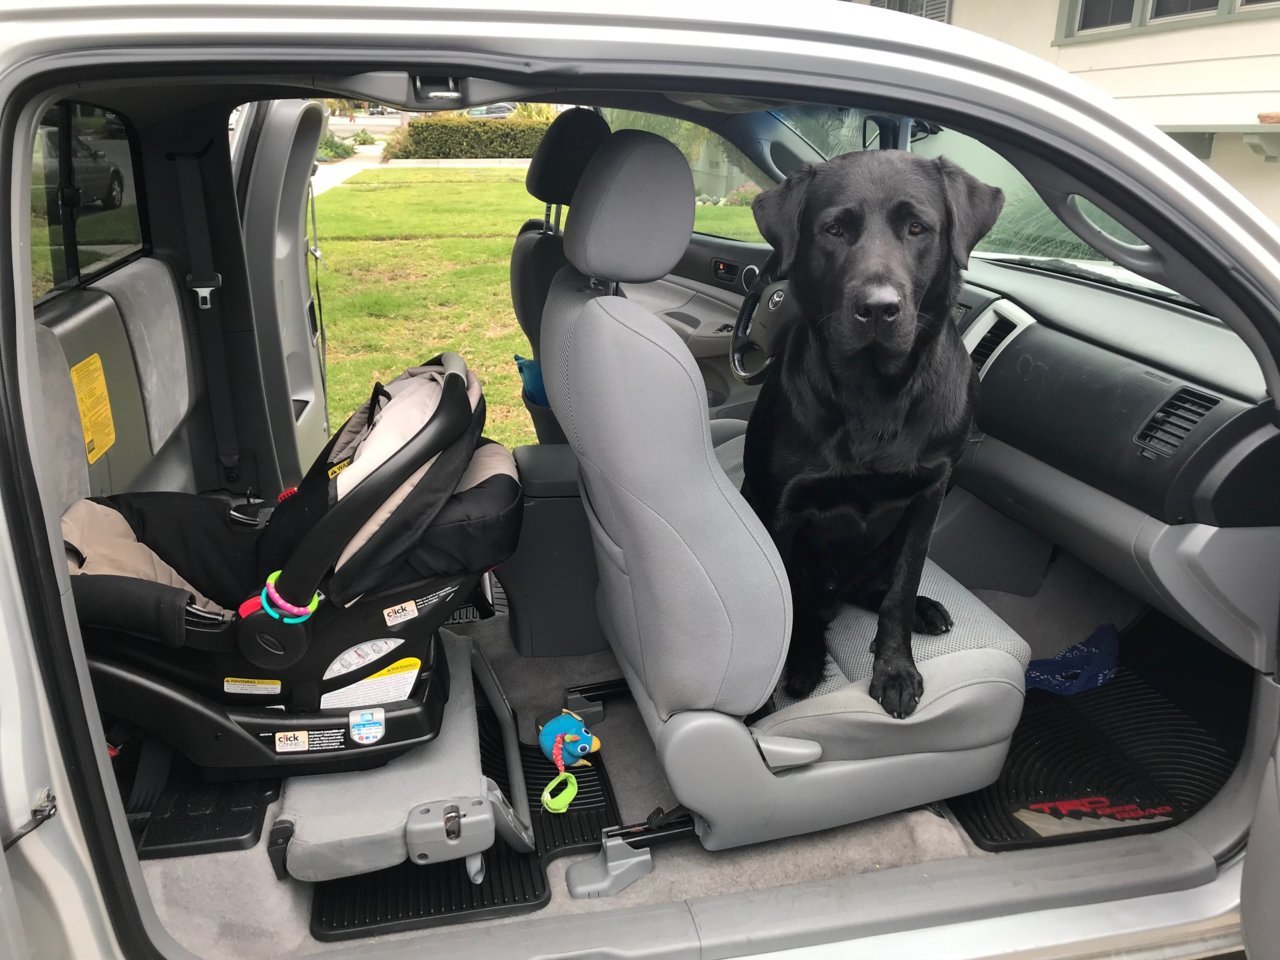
693 596
538 253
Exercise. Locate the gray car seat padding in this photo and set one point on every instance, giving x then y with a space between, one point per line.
350 823
632 214
150 305
973 684
693 593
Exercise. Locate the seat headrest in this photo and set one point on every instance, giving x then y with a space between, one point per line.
632 214
564 152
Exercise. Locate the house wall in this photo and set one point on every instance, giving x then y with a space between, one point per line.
1215 77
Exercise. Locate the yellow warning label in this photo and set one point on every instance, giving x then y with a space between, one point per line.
247 685
337 468
407 665
95 406
386 686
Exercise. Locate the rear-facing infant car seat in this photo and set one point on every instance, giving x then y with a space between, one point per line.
246 638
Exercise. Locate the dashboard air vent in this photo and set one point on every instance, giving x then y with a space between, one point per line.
1176 418
992 339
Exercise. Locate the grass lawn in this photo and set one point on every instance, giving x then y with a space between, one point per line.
417 262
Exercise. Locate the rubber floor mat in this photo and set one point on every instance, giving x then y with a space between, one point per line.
181 815
409 897
1140 753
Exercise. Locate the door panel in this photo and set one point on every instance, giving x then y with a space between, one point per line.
278 165
1260 919
700 300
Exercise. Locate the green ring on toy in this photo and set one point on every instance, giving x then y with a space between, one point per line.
559 802
299 614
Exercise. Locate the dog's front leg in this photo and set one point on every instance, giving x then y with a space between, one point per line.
895 682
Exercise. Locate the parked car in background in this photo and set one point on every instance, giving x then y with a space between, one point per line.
492 111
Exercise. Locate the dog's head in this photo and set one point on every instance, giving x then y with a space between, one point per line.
868 238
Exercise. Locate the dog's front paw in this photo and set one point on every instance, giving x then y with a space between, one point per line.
931 617
897 686
803 678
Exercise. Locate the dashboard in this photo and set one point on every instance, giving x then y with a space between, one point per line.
1155 404
1133 433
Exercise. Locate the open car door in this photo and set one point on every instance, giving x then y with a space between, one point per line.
274 156
1259 915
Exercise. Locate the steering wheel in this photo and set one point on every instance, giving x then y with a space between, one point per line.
767 310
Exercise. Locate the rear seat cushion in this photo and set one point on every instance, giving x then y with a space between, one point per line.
150 305
62 438
973 684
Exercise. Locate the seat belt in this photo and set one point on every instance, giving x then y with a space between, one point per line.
313 249
203 280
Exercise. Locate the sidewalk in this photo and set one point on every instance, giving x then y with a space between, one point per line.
369 157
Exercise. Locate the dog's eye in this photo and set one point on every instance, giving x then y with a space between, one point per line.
915 228
834 229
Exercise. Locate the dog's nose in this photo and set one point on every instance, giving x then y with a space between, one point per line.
878 304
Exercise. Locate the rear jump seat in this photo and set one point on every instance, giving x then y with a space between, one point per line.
133 320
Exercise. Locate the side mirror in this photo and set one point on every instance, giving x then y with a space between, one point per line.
99 155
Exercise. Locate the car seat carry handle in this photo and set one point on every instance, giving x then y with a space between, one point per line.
144 608
319 550
454 364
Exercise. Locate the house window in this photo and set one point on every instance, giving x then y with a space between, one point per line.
1180 8
1102 19
1105 13
939 10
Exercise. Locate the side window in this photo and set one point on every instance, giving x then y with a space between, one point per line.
724 180
84 199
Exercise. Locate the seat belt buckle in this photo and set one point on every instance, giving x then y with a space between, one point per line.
204 289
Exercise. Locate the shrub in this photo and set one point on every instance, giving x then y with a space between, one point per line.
362 138
742 196
331 148
464 138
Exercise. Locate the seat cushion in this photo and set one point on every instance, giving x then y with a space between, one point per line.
973 684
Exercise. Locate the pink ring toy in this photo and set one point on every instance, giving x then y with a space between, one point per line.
282 604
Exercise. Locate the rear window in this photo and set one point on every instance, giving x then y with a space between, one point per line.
84 197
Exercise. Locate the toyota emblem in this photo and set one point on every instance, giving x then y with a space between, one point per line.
776 298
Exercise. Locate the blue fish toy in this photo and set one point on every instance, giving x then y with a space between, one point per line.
578 741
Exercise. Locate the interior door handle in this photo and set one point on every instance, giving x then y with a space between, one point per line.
726 271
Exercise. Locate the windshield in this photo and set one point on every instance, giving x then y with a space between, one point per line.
1027 233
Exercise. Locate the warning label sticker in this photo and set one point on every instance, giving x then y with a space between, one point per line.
368 725
386 686
245 685
337 468
90 383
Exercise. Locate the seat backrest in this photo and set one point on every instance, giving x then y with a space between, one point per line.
693 596
538 255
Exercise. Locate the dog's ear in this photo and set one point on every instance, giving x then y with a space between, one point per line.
778 213
972 207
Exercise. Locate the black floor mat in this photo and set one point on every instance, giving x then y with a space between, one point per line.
187 816
1146 750
409 897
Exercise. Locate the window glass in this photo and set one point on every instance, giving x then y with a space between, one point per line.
724 180
1105 13
84 206
829 130
1180 8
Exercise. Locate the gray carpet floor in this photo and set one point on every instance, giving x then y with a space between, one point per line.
1073 600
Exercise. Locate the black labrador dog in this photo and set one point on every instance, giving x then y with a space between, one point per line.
869 400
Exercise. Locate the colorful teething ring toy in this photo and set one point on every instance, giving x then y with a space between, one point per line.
271 600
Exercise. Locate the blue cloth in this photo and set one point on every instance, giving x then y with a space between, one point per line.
531 376
1083 667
